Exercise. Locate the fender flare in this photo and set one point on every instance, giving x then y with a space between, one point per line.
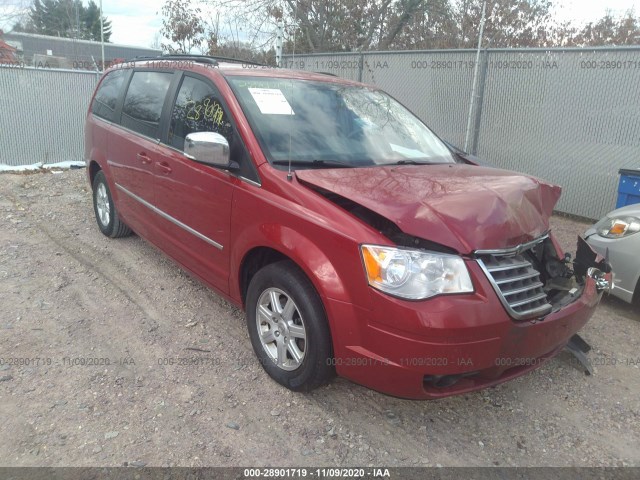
290 243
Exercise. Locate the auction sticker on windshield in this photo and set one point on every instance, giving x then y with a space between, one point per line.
271 101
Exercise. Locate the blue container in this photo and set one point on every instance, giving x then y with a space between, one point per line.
628 188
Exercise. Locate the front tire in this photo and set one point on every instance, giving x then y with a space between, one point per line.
288 327
106 214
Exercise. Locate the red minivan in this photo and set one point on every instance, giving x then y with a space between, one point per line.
357 241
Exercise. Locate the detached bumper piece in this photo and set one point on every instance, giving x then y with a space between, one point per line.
578 347
589 264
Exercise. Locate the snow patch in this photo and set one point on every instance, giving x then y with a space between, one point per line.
41 166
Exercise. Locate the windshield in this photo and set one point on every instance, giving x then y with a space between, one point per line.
321 124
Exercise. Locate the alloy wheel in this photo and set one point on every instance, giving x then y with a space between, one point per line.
102 205
281 329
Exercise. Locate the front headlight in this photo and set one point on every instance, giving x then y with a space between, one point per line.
414 274
617 227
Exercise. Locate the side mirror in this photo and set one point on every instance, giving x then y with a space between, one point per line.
208 147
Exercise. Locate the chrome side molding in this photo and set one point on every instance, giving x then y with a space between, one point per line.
168 217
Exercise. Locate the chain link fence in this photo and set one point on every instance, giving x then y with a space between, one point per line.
45 87
43 114
570 116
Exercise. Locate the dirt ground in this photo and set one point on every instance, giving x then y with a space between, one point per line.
69 294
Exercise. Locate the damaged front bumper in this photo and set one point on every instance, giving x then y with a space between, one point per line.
534 279
454 344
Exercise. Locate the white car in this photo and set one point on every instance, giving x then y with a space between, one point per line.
616 237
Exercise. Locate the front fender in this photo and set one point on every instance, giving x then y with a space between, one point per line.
303 251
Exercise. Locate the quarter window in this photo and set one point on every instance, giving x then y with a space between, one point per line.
143 104
197 109
104 103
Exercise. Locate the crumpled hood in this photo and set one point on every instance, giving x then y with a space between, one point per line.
463 207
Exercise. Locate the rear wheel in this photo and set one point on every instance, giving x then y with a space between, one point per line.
106 214
288 327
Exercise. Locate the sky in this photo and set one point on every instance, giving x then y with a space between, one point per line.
133 23
138 23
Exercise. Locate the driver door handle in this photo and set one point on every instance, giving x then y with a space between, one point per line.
143 158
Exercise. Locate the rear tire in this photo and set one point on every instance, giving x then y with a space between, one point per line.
288 327
105 210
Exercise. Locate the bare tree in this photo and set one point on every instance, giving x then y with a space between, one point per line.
237 27
520 23
605 31
609 30
181 24
430 28
13 11
325 25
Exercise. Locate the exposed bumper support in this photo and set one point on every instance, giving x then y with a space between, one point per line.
603 280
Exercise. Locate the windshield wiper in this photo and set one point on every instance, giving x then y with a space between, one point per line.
407 162
313 163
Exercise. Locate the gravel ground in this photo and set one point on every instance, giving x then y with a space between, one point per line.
69 293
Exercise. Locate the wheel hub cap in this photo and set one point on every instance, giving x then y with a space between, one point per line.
102 205
281 329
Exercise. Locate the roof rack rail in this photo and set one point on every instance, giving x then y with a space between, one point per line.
209 59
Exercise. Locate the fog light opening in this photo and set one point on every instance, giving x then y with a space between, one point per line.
445 381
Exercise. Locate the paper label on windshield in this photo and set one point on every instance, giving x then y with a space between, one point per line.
407 152
271 101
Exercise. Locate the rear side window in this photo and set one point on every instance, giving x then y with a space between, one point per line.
197 109
104 103
143 103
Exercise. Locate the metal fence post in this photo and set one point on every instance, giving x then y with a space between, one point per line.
360 66
479 101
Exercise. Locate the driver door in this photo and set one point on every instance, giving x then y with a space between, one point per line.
195 199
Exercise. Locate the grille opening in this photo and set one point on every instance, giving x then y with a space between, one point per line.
530 281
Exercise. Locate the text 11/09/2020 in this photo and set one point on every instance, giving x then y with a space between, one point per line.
325 472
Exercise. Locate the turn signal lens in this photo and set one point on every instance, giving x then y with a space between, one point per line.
372 264
617 227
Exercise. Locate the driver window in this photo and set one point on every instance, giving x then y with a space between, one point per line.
197 110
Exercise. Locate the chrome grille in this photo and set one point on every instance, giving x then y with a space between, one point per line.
517 284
